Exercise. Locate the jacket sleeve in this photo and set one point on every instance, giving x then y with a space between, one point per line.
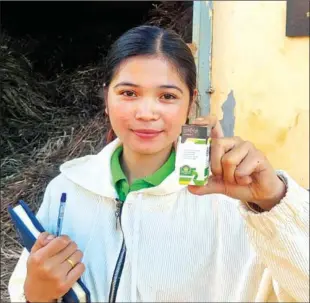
281 239
18 277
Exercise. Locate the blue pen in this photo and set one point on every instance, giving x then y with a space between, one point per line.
61 212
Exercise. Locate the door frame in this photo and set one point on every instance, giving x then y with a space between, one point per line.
202 39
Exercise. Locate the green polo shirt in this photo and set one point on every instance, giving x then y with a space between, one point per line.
121 183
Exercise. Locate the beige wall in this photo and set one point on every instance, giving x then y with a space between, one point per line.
268 74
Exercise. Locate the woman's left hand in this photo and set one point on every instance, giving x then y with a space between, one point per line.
239 170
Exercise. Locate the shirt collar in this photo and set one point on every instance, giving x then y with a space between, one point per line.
155 179
98 170
117 171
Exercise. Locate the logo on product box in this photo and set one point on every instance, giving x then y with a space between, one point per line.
186 170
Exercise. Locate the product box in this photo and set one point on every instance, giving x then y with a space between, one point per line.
193 155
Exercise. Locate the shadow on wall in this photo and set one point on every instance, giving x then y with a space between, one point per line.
228 121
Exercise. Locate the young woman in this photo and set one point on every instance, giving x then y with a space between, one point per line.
133 234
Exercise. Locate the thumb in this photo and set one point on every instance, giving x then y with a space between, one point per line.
215 185
43 239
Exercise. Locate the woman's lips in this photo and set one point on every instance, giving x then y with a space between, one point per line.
147 133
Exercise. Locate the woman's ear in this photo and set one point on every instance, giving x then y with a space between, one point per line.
192 105
195 95
195 98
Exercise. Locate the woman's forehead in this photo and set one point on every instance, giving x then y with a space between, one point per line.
148 72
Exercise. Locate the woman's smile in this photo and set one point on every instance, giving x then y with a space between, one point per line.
147 133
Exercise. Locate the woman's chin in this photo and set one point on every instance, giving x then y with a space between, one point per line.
147 147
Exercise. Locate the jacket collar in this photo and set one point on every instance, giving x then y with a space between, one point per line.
93 173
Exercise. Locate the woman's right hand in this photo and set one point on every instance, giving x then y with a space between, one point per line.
49 273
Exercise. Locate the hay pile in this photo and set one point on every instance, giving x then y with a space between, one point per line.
43 123
48 120
175 15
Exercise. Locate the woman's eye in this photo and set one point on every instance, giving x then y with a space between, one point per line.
128 93
168 97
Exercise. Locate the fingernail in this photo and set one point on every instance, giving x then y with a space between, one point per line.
50 237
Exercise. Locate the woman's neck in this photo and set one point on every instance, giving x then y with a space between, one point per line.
136 166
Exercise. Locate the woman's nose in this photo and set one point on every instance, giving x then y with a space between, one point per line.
147 110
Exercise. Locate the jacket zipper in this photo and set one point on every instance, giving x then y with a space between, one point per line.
121 257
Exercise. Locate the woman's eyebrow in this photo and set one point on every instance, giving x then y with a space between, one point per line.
172 86
136 85
126 84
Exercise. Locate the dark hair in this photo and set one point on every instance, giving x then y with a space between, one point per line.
148 40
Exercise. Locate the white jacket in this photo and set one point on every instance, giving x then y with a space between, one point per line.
180 247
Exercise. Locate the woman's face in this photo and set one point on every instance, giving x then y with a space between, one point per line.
147 103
